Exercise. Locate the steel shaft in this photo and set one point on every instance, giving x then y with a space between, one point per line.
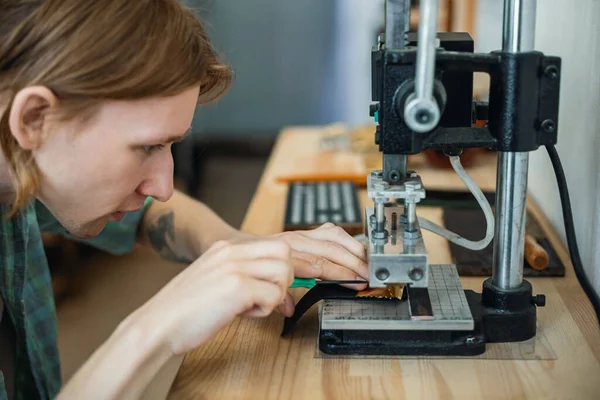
511 178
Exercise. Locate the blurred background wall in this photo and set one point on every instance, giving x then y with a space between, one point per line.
296 63
569 30
572 32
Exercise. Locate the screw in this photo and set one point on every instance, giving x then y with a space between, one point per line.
539 300
551 72
548 126
423 116
416 274
394 175
382 274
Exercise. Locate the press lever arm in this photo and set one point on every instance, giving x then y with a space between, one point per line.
421 111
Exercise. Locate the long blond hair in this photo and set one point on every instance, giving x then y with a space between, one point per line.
87 51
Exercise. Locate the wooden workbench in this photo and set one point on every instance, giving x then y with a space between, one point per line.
249 360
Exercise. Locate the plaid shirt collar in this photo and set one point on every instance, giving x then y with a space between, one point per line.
26 287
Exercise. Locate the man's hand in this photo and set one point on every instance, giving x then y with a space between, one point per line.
327 253
249 275
231 279
183 229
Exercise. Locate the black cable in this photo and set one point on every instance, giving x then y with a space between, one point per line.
570 230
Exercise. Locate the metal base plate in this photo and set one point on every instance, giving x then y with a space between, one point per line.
391 343
451 311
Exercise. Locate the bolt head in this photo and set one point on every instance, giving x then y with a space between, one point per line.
548 126
551 72
416 274
539 300
382 274
394 175
421 116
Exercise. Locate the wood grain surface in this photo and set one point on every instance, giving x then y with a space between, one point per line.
249 360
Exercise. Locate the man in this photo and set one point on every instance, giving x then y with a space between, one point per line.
92 95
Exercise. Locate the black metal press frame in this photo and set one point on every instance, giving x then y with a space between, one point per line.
522 114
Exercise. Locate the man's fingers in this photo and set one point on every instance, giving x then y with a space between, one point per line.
276 271
331 251
326 225
333 271
338 235
305 265
255 249
263 298
287 306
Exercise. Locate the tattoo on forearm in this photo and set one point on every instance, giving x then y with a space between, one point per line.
162 237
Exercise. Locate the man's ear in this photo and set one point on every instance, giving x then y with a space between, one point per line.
28 121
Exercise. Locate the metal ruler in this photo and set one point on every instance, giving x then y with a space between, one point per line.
448 302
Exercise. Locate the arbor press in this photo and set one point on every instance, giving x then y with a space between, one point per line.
422 93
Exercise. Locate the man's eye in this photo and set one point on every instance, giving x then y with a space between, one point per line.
152 148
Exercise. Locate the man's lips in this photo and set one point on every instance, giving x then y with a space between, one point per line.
117 216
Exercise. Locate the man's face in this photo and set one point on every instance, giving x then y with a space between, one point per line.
96 171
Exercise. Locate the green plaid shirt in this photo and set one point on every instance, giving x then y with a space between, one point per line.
26 289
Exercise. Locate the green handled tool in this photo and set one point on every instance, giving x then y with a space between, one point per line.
309 283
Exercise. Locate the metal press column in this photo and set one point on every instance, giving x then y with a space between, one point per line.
511 186
397 24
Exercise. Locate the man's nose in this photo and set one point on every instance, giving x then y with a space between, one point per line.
163 189
159 184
